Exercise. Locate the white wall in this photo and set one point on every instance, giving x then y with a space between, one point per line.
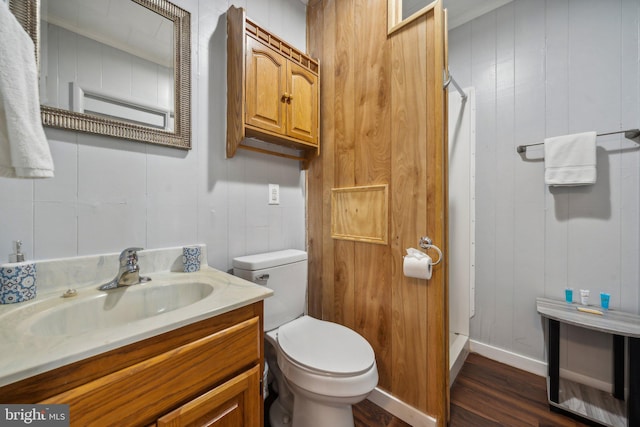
69 57
109 193
546 68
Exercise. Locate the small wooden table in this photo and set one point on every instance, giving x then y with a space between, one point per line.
619 325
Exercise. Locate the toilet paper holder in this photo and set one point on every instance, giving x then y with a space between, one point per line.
426 243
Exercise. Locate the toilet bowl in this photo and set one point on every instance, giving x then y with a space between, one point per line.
326 367
320 368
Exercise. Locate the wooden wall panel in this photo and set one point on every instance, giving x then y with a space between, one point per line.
372 94
373 166
344 105
321 28
382 123
315 200
361 214
328 32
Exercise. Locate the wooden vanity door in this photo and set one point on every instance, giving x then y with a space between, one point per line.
302 106
235 403
266 88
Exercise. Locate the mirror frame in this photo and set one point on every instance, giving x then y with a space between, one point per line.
28 14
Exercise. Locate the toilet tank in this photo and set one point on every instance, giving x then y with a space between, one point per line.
285 272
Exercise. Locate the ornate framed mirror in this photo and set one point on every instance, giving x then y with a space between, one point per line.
120 68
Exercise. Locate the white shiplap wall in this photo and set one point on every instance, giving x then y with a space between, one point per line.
99 67
546 68
109 193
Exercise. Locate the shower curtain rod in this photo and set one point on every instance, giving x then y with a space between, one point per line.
632 134
450 79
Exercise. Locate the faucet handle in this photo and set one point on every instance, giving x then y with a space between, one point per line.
130 255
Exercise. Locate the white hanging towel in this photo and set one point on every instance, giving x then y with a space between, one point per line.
24 150
570 159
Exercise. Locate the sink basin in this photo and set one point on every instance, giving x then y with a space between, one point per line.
50 331
116 307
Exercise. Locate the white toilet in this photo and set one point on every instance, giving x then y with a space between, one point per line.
320 368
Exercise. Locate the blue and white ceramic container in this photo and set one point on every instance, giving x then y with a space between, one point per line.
191 258
17 282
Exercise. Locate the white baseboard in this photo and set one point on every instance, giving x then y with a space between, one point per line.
586 380
509 358
534 366
399 409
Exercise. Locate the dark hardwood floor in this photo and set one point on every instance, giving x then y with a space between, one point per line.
488 393
367 414
485 394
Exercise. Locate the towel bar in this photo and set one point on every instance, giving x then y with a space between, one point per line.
632 134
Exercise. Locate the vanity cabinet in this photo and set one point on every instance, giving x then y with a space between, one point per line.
231 404
273 91
207 373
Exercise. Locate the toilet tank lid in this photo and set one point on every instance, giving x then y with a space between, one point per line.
269 259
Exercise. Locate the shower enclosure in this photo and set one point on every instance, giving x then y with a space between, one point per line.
461 224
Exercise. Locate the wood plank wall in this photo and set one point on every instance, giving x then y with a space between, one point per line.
379 108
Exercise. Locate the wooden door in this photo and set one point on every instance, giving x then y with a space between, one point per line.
383 122
419 156
266 87
235 403
302 104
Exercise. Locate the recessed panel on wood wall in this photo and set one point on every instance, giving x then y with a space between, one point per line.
360 214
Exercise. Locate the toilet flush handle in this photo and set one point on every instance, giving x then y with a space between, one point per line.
262 278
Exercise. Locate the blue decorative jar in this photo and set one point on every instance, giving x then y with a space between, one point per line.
17 282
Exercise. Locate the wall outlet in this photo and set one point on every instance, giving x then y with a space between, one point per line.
274 194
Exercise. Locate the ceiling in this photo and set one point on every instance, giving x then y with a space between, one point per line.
462 11
122 24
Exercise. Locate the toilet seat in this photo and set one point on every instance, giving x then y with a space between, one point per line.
325 347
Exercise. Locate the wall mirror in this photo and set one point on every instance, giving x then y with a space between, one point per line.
120 68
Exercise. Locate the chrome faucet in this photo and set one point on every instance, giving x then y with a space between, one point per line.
129 272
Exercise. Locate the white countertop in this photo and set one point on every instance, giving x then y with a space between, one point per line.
610 322
24 354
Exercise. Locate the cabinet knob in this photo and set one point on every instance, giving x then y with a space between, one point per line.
289 98
284 97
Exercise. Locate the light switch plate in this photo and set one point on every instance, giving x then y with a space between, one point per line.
274 194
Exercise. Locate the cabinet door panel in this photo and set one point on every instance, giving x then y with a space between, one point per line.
302 112
265 87
235 403
137 394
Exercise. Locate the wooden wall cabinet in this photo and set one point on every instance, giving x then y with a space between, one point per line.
208 373
273 91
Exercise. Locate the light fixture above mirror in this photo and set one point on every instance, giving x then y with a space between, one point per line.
99 74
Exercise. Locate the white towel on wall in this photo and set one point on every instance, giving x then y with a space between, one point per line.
570 159
24 149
